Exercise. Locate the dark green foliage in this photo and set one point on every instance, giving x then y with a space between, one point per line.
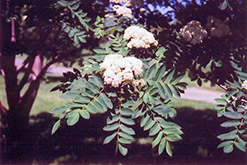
233 106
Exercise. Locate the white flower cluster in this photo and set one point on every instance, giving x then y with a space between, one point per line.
139 37
216 27
244 85
122 11
193 32
139 83
128 3
118 69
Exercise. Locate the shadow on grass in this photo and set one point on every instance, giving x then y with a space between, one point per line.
82 143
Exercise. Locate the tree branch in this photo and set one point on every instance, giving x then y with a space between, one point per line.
29 96
28 71
25 62
10 80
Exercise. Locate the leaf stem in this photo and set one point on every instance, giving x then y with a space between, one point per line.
119 122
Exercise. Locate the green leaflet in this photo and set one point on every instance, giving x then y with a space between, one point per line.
221 101
91 87
228 148
96 81
127 121
136 114
162 146
176 79
107 101
154 130
101 51
172 131
73 119
168 76
127 130
181 86
160 73
243 76
157 139
229 135
168 149
124 141
97 106
55 127
165 124
126 112
84 114
59 109
160 52
136 105
174 91
128 103
111 127
231 123
151 71
149 124
233 115
144 120
167 90
73 104
219 107
90 108
82 99
122 149
241 145
112 120
161 90
237 84
109 138
102 103
225 143
173 137
126 136
162 110
73 112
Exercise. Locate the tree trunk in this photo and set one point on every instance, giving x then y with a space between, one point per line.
17 149
18 141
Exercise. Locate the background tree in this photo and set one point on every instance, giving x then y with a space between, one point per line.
32 29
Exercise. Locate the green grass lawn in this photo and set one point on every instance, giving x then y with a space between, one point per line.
47 100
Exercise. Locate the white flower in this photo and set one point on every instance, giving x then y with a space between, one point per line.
137 44
119 69
139 37
110 60
122 11
193 32
134 61
123 63
117 80
127 70
128 76
108 76
115 69
244 85
128 3
137 70
139 83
